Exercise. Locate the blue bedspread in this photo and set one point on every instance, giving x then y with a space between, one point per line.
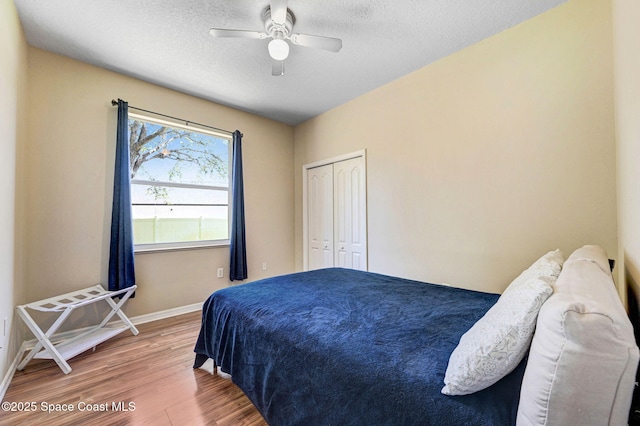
343 347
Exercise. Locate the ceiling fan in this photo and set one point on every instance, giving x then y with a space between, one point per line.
278 25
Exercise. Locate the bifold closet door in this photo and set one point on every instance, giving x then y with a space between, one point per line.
350 214
320 210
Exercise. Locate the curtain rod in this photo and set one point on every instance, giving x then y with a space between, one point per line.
187 122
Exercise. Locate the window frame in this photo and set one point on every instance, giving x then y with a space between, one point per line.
187 245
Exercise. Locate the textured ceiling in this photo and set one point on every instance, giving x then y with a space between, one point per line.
167 42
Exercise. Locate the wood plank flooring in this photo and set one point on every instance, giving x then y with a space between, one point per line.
131 380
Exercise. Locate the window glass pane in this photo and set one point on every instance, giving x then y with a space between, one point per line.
166 224
168 154
173 210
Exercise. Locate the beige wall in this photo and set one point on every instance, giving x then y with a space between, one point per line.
13 92
481 162
476 164
71 153
626 34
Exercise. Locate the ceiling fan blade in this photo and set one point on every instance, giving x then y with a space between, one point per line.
217 32
277 68
279 11
318 42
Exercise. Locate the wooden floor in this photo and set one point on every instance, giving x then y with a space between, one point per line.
130 380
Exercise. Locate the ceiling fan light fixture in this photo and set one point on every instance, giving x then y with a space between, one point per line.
279 28
278 49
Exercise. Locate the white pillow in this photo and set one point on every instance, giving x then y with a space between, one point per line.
498 341
582 364
548 265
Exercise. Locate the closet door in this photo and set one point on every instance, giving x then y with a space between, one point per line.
350 214
320 225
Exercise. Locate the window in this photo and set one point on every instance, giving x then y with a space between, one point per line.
180 194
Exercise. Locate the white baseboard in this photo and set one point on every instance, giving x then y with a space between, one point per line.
4 386
140 319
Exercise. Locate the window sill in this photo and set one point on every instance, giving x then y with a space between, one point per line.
166 248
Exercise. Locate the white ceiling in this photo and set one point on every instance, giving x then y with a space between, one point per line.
167 42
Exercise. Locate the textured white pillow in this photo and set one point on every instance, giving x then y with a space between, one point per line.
498 341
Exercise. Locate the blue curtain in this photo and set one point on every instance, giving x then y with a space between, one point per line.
238 267
121 267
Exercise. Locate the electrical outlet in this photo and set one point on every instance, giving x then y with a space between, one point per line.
220 272
264 266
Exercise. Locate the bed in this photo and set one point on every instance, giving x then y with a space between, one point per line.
339 347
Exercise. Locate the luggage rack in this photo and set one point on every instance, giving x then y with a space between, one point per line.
90 338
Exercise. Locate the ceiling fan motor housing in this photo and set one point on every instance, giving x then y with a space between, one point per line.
277 30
